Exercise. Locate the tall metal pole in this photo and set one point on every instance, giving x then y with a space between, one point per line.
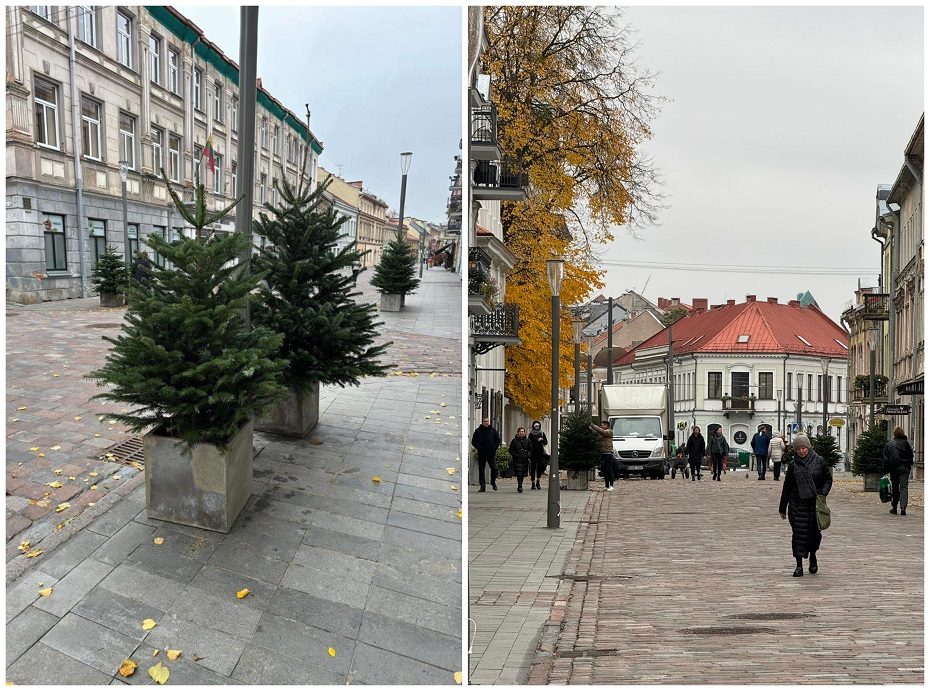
826 396
552 514
610 340
800 391
577 385
670 403
871 387
422 248
779 411
126 225
245 185
590 383
403 196
78 169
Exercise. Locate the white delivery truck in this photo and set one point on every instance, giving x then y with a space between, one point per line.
638 415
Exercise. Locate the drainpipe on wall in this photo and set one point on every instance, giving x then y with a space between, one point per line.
892 245
193 116
76 138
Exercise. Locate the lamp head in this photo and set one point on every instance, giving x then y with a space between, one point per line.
577 327
123 170
554 270
405 157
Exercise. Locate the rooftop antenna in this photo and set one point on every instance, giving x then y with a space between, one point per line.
645 284
339 170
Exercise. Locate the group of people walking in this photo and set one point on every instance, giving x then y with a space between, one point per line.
528 455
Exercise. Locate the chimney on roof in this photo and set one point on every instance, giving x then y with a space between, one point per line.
258 82
664 303
676 301
772 301
730 303
750 298
699 304
716 307
793 303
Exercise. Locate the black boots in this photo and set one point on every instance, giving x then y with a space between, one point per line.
894 509
798 572
494 486
482 490
813 565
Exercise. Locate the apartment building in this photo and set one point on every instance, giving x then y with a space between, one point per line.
345 200
100 100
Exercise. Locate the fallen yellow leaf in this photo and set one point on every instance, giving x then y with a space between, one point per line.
22 407
332 652
34 448
453 487
159 673
459 513
34 553
46 592
71 477
54 485
93 486
24 545
155 652
375 478
159 540
96 434
56 448
41 455
14 419
77 417
458 677
242 593
93 473
61 507
57 471
173 654
92 503
451 471
128 668
148 624
442 405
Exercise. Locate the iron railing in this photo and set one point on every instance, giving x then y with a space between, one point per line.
499 174
739 403
484 124
875 306
864 392
498 327
479 270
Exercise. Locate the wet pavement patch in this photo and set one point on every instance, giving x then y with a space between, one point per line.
727 630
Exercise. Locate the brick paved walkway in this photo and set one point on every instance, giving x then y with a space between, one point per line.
690 583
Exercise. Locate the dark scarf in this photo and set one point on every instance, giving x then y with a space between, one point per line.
803 476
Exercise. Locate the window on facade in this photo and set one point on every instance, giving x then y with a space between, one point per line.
828 392
44 11
98 240
274 139
261 188
46 113
174 157
819 387
234 114
739 384
714 384
218 174
766 385
263 132
839 389
218 102
789 387
274 191
127 139
810 387
155 57
198 162
55 257
90 128
160 232
158 151
198 81
174 74
124 39
233 179
132 230
87 25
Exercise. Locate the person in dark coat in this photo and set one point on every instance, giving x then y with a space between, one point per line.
717 449
606 436
520 449
760 447
486 441
808 475
695 450
538 456
899 457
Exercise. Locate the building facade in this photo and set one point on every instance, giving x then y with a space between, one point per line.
345 200
144 93
372 223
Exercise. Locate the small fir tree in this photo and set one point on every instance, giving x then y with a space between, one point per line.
579 447
867 456
396 272
828 448
110 275
308 294
184 362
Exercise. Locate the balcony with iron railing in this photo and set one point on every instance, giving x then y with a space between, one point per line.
746 404
862 390
483 133
875 306
500 180
500 327
481 289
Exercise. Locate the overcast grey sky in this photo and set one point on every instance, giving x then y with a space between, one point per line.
780 125
379 80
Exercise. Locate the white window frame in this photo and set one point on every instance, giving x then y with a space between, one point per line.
127 141
274 191
124 40
44 11
234 114
233 178
262 184
275 135
218 173
198 89
772 388
263 132
174 71
47 108
155 45
158 149
87 25
91 130
218 102
174 158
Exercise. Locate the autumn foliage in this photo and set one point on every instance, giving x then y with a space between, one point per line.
572 109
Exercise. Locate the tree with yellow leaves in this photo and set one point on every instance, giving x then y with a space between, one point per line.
572 108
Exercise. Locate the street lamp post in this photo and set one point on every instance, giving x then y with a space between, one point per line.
577 326
825 390
590 379
404 169
871 338
123 175
422 252
778 395
554 268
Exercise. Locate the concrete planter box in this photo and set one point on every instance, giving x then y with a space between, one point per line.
870 482
295 416
391 302
577 479
202 488
112 300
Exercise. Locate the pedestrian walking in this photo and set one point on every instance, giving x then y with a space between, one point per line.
681 462
717 450
520 448
808 475
899 457
695 450
760 447
777 452
606 435
486 441
539 458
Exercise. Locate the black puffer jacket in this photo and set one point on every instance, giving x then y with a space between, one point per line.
520 455
898 454
802 513
539 442
695 448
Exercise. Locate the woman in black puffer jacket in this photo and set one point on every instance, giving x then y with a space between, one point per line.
520 456
808 475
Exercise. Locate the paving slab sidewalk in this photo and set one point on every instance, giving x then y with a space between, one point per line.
332 558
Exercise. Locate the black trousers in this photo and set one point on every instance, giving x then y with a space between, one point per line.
607 469
718 465
776 468
762 464
695 468
483 460
537 468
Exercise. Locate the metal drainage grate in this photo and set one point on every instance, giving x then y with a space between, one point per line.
727 630
588 652
128 452
103 326
590 577
769 616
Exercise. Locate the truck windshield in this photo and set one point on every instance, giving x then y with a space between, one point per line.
636 427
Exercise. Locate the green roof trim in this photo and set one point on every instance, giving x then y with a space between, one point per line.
186 33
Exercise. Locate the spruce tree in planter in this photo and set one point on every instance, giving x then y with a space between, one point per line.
308 295
110 277
868 458
579 449
186 366
828 448
395 275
